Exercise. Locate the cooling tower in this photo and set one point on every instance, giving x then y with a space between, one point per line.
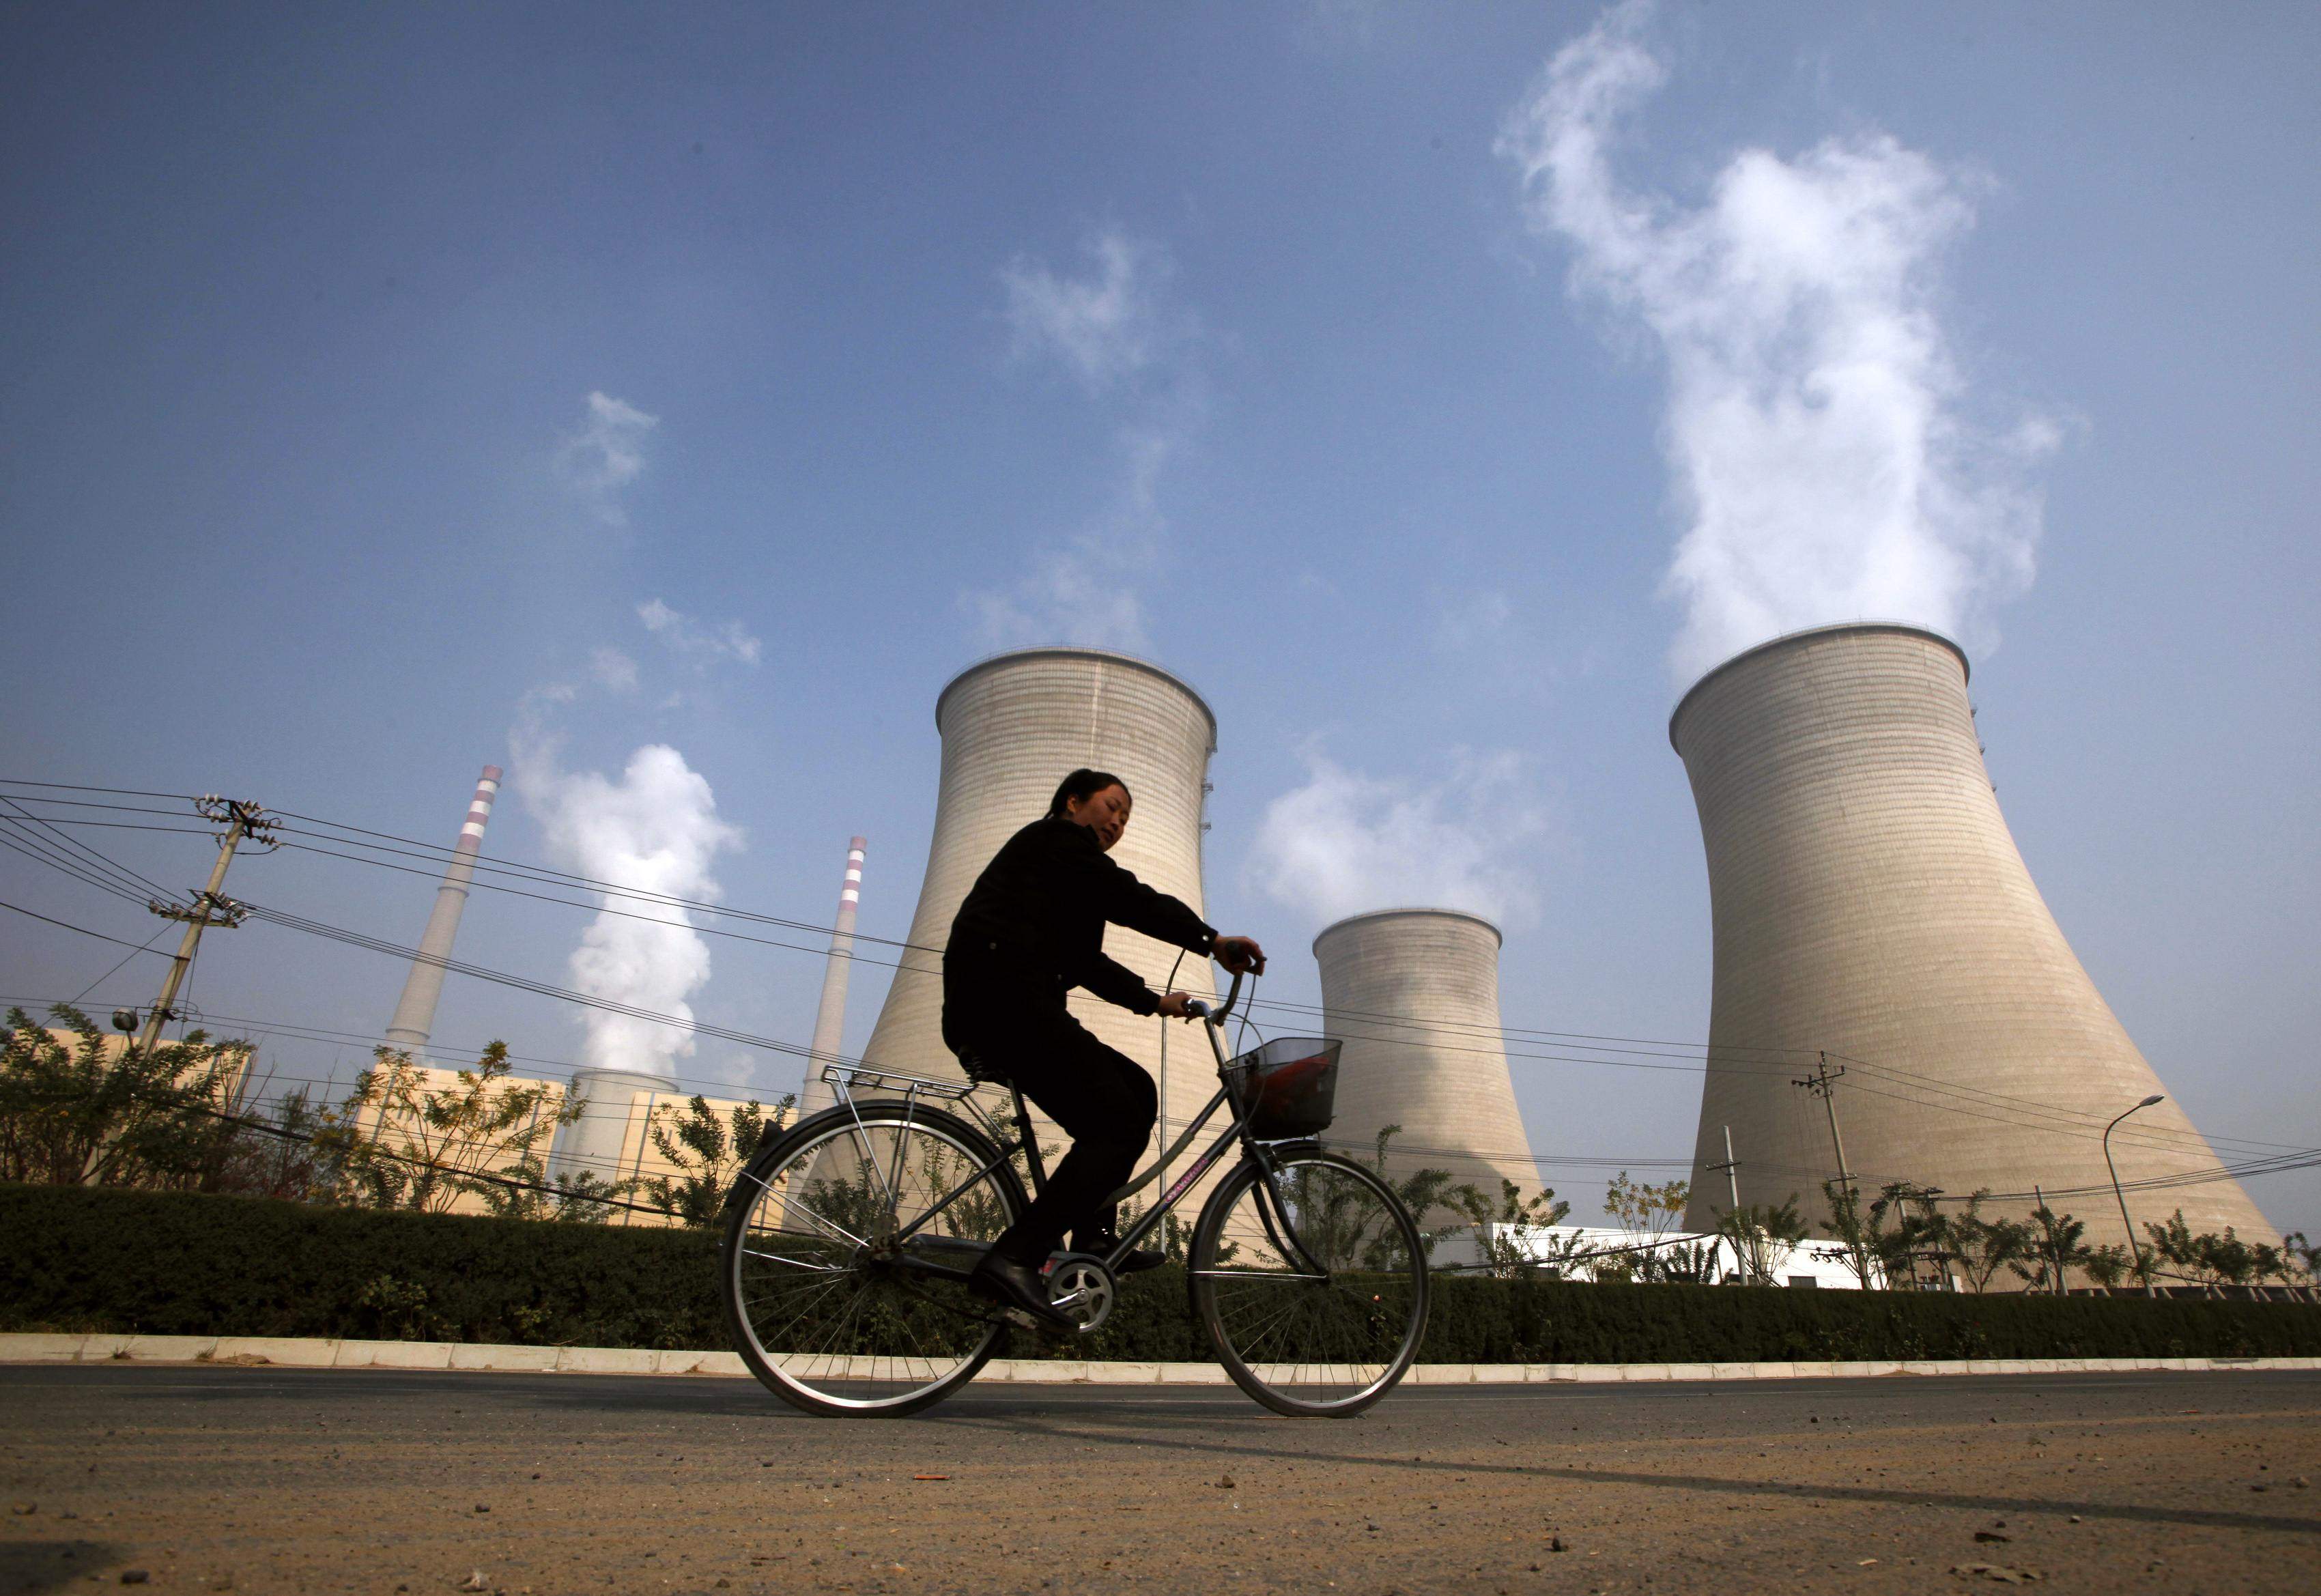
1868 900
1413 993
1013 727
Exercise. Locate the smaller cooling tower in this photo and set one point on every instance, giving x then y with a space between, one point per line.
614 1105
1413 993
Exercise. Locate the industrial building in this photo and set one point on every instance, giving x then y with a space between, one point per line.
1413 993
611 1139
1012 727
1869 903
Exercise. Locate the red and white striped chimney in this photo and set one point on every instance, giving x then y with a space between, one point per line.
414 1014
829 1016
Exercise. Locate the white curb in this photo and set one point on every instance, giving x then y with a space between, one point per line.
298 1352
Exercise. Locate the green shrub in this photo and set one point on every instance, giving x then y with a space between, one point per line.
157 1263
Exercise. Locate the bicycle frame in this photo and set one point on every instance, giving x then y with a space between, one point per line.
1025 1141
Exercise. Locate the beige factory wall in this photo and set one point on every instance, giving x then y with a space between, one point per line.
639 1158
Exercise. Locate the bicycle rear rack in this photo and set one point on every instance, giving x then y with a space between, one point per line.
843 1080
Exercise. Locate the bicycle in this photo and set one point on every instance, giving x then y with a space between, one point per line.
849 1236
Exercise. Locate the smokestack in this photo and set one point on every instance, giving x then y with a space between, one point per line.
414 1014
830 1016
1012 726
1868 900
1415 995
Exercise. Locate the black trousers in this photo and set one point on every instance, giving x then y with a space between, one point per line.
1102 1097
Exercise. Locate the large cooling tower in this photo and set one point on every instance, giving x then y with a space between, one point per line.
1413 993
1868 900
1013 727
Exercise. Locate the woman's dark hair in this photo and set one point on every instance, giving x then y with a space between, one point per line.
1085 784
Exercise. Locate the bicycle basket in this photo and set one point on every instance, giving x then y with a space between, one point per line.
1291 1085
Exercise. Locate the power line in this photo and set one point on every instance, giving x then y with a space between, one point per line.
111 865
83 787
1646 1052
83 930
85 877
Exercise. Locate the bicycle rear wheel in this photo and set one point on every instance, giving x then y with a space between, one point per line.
1316 1307
820 1296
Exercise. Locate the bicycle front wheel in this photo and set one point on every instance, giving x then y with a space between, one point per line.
821 1292
1312 1288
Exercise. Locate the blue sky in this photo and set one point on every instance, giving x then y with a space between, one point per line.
374 374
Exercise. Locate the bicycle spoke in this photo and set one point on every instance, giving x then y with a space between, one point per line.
1299 1342
825 1304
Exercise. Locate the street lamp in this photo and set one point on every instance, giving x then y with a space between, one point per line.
2134 1245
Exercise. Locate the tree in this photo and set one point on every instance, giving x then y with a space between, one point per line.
1985 1247
1911 1231
2174 1243
1506 1250
1647 1214
2227 1260
405 1144
2300 1261
1848 1223
1424 1191
708 1153
1763 1236
2108 1264
2057 1245
107 1112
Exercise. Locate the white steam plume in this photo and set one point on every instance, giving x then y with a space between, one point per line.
1814 424
1344 844
1101 328
656 829
1086 591
605 455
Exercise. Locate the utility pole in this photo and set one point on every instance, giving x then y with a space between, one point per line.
1731 1166
1823 1085
208 908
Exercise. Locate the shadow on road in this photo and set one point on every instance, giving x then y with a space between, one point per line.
1029 1426
51 1566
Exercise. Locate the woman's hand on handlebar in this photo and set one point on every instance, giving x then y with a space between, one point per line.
1239 955
1177 1006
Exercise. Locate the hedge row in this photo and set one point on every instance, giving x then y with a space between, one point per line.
75 1259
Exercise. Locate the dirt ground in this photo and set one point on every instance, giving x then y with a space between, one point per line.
277 1481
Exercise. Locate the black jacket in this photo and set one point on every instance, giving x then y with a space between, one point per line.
1039 909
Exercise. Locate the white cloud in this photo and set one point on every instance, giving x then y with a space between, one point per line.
612 670
1473 622
1088 591
605 456
701 643
1102 328
1345 844
655 829
1817 427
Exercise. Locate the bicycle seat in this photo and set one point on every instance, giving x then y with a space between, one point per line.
983 1072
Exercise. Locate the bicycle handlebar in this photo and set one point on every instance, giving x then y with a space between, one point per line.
1216 1013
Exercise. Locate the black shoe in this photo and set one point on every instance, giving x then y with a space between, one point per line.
1135 1262
1021 1292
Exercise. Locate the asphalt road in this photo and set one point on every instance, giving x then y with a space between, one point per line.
260 1480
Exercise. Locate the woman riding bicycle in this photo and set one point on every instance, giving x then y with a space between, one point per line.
1031 929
